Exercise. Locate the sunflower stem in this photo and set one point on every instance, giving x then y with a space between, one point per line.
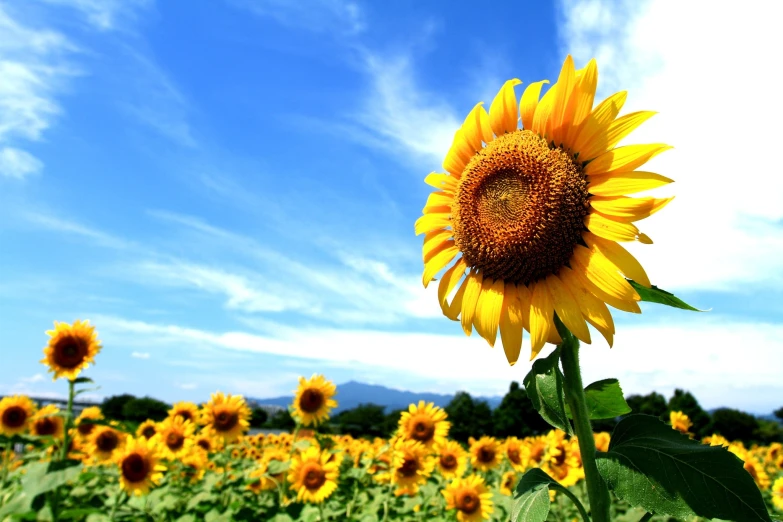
597 491
7 448
68 420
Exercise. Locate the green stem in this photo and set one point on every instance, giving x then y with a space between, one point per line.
120 495
597 491
54 499
7 448
321 515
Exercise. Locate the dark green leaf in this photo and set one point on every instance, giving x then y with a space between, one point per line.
80 380
57 465
531 497
653 466
544 385
604 400
657 295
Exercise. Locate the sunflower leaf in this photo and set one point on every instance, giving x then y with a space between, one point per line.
604 400
657 468
544 385
80 380
660 296
531 497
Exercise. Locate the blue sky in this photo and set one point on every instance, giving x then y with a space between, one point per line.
227 189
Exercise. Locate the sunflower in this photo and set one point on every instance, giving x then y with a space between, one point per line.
48 422
537 447
425 423
71 348
680 421
83 424
602 441
411 465
227 416
104 442
452 459
175 438
516 453
485 453
562 461
15 414
777 493
187 410
534 215
312 475
147 429
206 442
471 497
138 466
508 482
313 400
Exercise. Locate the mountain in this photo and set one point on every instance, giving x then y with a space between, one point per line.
352 393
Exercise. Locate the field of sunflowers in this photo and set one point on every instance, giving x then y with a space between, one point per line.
201 463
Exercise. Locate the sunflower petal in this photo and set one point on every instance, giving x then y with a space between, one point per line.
488 310
582 100
437 200
434 242
503 113
593 309
511 324
622 183
599 120
525 295
601 294
437 263
617 130
619 257
443 182
611 229
560 119
629 157
453 310
544 113
449 280
604 274
541 317
529 102
470 299
627 209
429 222
567 308
476 127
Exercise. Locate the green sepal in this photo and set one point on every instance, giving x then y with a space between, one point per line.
661 470
660 296
604 400
544 385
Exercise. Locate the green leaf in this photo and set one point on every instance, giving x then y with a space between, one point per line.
604 400
276 467
531 497
80 380
653 466
544 385
660 296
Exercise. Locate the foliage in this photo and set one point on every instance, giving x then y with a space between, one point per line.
516 416
140 409
258 417
112 406
365 420
281 420
468 417
685 402
651 404
734 424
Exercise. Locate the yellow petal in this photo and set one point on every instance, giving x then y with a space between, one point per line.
529 102
617 130
567 308
525 295
437 263
629 157
472 291
622 183
599 120
449 280
442 182
582 101
543 113
437 200
619 257
626 306
560 120
627 209
453 310
541 317
429 222
453 164
593 309
604 274
503 113
488 309
476 127
611 229
434 242
511 323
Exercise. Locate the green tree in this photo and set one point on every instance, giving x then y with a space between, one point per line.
768 432
281 420
685 402
734 424
258 417
468 417
516 416
112 406
141 409
778 413
365 420
391 422
650 404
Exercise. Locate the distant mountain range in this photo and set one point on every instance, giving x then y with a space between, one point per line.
352 393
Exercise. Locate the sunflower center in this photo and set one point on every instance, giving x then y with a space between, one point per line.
519 208
175 441
204 444
314 477
226 420
752 470
148 432
45 426
69 352
468 502
537 453
85 428
423 429
186 416
134 468
14 417
560 458
513 455
409 467
311 400
486 455
448 461
107 441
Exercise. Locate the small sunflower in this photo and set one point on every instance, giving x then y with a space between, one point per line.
485 453
139 467
15 414
313 476
535 215
48 422
187 410
313 400
104 442
516 453
508 482
207 442
602 441
452 459
562 461
425 423
680 421
83 424
175 438
411 465
227 416
777 493
147 429
537 447
71 349
471 497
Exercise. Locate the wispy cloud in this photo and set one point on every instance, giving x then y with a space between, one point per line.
343 17
16 163
140 355
68 226
723 230
104 15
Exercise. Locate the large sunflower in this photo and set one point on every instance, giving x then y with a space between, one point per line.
425 423
452 459
313 475
48 422
187 410
175 438
104 443
138 466
411 465
471 497
15 414
71 348
227 416
534 215
313 400
486 453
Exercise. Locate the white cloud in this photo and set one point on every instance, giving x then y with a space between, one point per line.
16 163
140 355
38 377
71 227
188 386
334 16
104 14
710 73
657 357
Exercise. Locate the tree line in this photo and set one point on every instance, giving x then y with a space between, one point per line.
471 417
